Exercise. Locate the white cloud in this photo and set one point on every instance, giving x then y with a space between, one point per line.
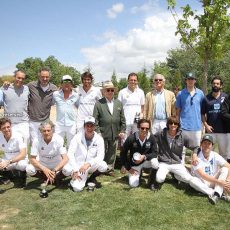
146 7
115 10
138 47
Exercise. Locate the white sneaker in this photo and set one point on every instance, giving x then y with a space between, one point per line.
225 197
213 199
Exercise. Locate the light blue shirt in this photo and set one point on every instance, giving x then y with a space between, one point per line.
66 109
190 109
160 113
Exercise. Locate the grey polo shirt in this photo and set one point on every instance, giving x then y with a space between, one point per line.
40 102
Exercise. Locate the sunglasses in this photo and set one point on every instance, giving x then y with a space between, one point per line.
158 80
173 123
144 128
191 101
110 90
89 125
67 81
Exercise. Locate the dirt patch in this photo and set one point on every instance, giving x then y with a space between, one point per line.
8 213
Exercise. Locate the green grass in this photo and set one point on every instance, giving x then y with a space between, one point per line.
114 206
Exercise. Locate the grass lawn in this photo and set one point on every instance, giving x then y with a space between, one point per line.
114 206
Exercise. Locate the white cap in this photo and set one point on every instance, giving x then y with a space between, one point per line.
89 119
67 77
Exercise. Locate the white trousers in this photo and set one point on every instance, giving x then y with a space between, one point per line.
179 171
134 179
66 131
20 165
209 188
158 125
22 128
223 144
79 184
31 170
228 146
34 130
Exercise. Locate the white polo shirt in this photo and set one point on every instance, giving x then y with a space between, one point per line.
132 102
211 165
86 103
13 146
49 155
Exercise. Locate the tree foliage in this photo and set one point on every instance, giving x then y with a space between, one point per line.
210 39
32 66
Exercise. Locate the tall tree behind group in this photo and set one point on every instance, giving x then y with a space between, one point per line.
32 66
211 38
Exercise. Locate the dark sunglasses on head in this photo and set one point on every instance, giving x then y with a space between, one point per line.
144 128
110 90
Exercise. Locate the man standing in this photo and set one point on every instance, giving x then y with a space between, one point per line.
159 104
133 100
40 101
211 115
213 172
48 156
188 104
88 96
65 100
86 154
15 102
225 114
14 152
110 123
139 151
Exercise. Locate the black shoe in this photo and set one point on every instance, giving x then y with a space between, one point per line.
5 181
97 184
92 179
155 187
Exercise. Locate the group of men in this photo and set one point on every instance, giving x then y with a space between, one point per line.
153 130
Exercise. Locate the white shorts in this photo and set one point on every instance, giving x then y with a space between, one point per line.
22 128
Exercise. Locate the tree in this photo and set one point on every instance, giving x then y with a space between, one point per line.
32 66
144 80
211 38
114 79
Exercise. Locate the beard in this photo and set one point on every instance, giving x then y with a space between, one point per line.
215 89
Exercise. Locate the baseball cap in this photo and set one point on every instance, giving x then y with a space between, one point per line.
190 75
89 119
207 137
67 78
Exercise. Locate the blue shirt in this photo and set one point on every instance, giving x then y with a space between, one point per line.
190 109
211 107
66 109
160 113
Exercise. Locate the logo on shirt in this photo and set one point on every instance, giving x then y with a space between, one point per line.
134 145
3 145
148 144
42 148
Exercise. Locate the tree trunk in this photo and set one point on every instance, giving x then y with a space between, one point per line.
205 79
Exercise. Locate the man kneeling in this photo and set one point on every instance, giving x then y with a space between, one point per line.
139 151
86 153
48 156
14 153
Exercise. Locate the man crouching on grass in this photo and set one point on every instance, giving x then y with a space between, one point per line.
48 156
86 153
213 172
14 153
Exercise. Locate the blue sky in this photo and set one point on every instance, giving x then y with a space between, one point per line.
105 34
